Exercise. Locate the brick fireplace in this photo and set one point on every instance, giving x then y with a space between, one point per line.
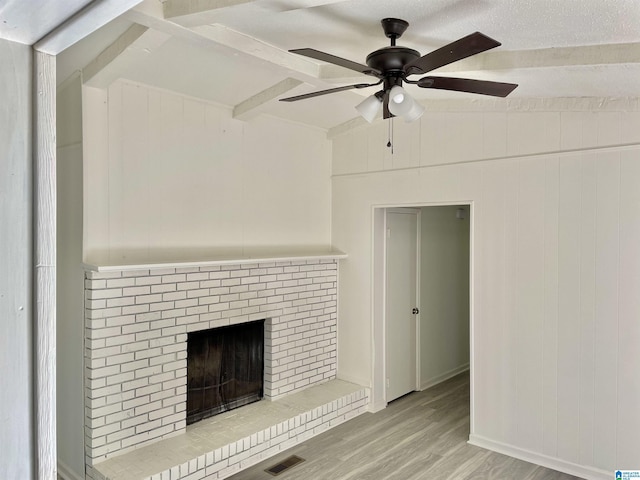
136 326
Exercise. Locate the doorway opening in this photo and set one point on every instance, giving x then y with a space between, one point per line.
433 298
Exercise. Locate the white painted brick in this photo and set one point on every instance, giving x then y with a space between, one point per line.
149 280
159 306
135 309
163 288
148 335
229 282
95 304
152 298
210 283
140 290
135 328
147 352
188 285
119 378
219 275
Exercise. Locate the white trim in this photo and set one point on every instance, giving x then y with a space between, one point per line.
221 260
472 216
66 473
629 147
432 382
582 471
417 319
44 332
378 232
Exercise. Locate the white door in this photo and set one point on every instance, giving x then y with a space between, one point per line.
400 318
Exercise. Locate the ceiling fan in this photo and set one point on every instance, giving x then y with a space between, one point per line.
394 64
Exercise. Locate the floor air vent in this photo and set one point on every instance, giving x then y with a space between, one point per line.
284 465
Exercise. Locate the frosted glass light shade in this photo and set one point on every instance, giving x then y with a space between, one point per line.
415 113
402 105
399 102
369 108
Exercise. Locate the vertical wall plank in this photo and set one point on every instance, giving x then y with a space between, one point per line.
530 301
550 327
587 216
510 329
569 309
45 258
494 134
606 310
489 294
95 132
135 162
115 168
628 438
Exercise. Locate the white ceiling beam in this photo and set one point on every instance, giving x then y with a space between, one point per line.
86 21
250 107
129 49
194 12
586 55
256 48
224 39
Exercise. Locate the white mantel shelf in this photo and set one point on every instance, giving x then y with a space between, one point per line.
188 258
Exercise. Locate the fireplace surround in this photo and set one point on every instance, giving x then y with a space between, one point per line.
138 318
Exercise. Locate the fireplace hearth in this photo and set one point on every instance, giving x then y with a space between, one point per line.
224 369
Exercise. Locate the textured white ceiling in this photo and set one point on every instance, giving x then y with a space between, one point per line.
27 21
552 48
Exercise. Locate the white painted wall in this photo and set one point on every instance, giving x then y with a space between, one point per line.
556 270
168 173
444 293
16 264
70 282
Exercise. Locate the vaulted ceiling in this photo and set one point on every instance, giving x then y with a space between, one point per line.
234 52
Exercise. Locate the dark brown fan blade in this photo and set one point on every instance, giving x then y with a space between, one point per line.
341 62
462 48
483 87
324 92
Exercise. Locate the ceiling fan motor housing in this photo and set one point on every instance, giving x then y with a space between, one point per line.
391 59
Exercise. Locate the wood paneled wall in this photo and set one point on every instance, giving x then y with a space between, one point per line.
166 171
556 269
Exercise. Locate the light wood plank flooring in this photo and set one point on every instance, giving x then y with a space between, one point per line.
420 436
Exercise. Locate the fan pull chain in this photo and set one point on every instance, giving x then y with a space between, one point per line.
390 142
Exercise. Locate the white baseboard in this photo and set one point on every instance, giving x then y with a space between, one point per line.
582 471
444 376
66 473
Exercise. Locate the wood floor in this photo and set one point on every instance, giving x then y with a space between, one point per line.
420 436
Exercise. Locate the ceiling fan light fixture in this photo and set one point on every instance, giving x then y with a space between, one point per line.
369 108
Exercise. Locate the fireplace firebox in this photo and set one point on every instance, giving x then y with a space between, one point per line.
224 369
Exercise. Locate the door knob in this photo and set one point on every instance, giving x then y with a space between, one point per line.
415 311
